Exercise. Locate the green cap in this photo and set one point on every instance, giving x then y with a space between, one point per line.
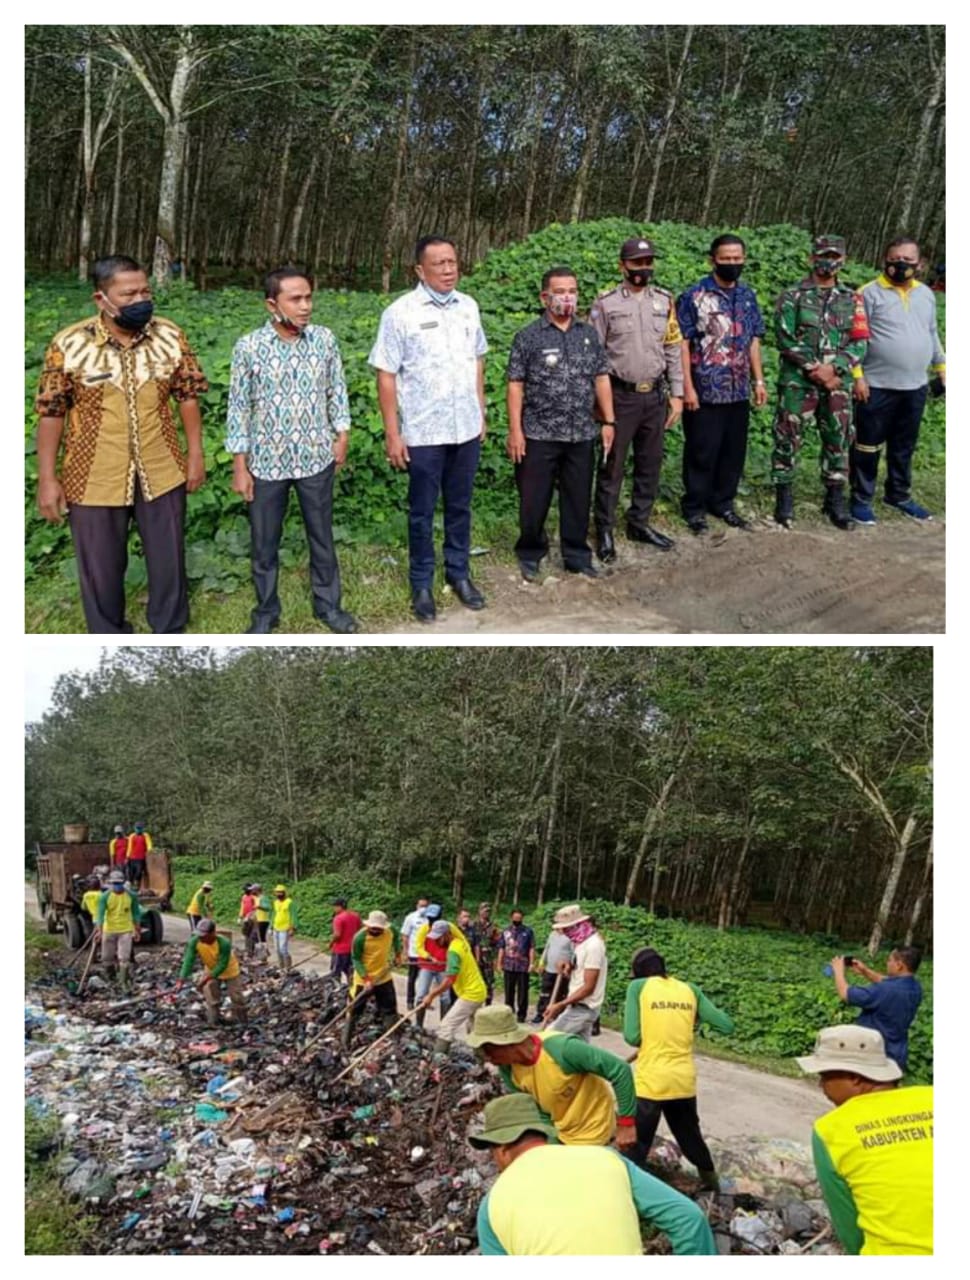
507 1118
829 244
496 1024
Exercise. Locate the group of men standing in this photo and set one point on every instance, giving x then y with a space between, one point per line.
580 396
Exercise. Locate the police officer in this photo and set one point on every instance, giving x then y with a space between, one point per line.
637 325
821 332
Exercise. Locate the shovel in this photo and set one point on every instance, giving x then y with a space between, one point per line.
371 1047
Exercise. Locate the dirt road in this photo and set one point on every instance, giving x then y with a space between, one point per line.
811 579
733 1100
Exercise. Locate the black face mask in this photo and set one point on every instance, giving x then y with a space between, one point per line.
135 316
825 267
899 272
728 271
639 277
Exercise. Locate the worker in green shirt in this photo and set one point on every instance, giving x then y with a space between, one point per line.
569 1079
200 906
221 967
659 1019
117 924
551 1199
374 950
874 1151
285 923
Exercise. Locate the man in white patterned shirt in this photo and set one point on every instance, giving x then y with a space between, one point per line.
288 425
429 357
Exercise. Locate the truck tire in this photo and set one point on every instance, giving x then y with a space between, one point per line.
53 924
73 931
153 927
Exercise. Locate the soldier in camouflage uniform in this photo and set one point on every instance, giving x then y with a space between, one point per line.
821 332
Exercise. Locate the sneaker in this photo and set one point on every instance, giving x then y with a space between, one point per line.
862 513
910 508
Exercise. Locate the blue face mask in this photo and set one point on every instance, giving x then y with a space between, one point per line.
440 298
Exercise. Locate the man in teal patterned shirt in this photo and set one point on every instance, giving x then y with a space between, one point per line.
287 426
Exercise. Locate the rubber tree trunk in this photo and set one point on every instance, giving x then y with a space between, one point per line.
650 821
920 902
671 108
395 214
934 95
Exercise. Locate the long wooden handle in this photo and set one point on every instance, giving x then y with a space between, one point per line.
333 1021
80 952
87 968
371 1047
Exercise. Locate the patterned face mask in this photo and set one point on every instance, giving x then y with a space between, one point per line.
578 933
562 305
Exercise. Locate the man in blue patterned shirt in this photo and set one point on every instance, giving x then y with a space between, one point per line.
722 330
287 427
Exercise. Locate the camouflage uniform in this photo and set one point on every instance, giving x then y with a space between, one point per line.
817 325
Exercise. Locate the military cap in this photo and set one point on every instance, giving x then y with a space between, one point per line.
637 247
829 244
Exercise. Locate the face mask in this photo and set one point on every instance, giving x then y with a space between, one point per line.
440 298
728 271
117 888
899 272
561 305
134 317
826 267
640 277
286 323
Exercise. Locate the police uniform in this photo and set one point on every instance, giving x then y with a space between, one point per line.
641 336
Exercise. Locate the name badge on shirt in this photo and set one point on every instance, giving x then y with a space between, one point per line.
431 324
551 357
96 377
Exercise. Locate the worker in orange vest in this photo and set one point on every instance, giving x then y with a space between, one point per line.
118 849
139 845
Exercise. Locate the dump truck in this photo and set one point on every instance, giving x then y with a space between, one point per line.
62 870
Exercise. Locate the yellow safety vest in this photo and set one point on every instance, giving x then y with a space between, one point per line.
90 902
469 984
201 904
581 1105
117 913
572 1201
665 1063
376 959
281 914
882 1145
208 953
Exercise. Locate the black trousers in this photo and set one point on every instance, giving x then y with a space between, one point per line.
681 1116
135 871
715 444
266 513
384 997
100 537
413 972
546 987
448 470
517 992
546 465
639 421
889 418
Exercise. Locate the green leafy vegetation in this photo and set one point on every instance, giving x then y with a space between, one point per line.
53 1222
370 503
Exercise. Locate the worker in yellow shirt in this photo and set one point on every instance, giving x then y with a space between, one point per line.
221 966
200 906
285 924
91 898
572 1082
374 950
117 925
263 908
659 1019
572 1201
462 975
873 1153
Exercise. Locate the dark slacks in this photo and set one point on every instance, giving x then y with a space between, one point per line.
448 469
385 998
639 421
100 537
889 418
135 871
546 987
681 1116
341 964
413 972
549 464
266 513
715 444
517 992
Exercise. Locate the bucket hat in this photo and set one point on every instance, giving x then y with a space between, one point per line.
566 917
377 920
851 1048
507 1118
496 1024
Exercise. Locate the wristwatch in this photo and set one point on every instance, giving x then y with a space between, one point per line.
608 424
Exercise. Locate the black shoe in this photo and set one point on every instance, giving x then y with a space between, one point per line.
835 508
586 570
422 605
262 626
605 548
529 570
643 533
784 505
468 593
697 524
732 519
340 621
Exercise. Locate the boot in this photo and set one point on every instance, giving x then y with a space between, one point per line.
110 972
124 978
709 1180
419 1018
784 505
211 1015
835 508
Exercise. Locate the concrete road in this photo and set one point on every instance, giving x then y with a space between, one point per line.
733 1100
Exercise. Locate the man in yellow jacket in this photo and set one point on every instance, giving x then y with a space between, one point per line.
221 966
462 975
284 924
117 926
874 1152
374 950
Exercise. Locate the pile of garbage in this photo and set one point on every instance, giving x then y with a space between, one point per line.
190 1139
